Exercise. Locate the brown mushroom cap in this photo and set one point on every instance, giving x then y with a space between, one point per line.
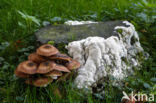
73 65
27 67
60 56
54 73
45 67
39 82
20 74
36 58
61 68
47 50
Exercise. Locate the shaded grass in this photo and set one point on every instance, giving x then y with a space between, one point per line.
18 32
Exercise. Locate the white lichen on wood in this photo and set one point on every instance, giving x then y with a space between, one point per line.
100 57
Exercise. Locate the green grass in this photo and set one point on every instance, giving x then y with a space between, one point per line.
17 41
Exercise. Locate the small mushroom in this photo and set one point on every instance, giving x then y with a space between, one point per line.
45 67
73 65
20 74
47 50
61 68
60 56
27 67
39 82
54 74
36 58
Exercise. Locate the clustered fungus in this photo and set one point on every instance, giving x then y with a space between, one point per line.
45 65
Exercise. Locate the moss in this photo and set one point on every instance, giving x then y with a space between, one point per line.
125 60
140 56
51 42
119 31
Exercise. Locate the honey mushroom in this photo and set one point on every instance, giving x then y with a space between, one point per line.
27 67
45 67
54 74
73 64
60 56
61 68
20 74
36 58
39 82
47 64
47 50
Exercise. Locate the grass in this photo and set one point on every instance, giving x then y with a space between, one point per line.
19 19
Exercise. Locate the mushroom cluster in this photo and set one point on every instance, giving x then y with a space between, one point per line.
45 65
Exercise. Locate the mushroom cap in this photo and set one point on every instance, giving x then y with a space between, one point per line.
20 74
60 56
45 67
47 50
39 82
61 68
36 58
27 67
73 65
54 73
